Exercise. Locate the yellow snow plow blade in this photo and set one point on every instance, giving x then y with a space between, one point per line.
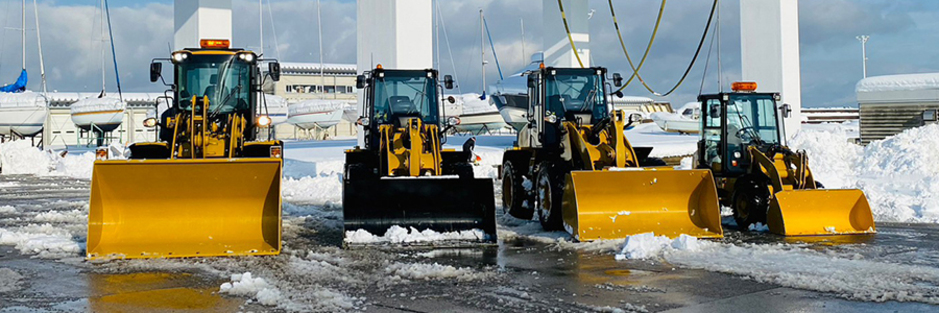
820 212
616 204
184 208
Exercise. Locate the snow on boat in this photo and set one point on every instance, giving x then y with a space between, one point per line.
104 114
475 115
22 114
686 120
315 113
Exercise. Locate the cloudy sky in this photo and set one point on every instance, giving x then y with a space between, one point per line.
903 37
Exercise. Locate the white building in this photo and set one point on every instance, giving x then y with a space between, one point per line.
893 103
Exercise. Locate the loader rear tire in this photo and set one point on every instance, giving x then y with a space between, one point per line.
549 192
514 194
750 203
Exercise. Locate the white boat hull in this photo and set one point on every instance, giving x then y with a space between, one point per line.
483 121
678 125
323 120
514 116
106 120
23 121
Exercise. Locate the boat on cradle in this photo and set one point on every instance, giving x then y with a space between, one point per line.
476 115
686 121
315 113
102 114
276 109
510 95
22 114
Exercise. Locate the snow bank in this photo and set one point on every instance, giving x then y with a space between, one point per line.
256 288
44 240
7 209
899 175
398 234
20 157
421 271
648 245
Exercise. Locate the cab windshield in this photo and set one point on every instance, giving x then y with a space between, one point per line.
752 117
402 95
222 78
576 92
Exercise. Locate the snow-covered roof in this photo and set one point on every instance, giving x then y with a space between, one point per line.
905 82
314 68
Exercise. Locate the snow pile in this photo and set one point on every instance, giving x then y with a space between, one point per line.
20 157
44 240
398 234
61 216
256 288
648 245
7 209
318 190
899 175
10 280
420 271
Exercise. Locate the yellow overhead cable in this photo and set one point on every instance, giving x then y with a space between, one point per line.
569 37
635 69
654 31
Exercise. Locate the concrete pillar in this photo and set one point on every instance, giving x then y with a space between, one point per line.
557 45
398 34
201 19
769 40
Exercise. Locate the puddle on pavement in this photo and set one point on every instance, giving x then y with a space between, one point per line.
156 292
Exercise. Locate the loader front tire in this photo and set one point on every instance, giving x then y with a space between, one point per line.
514 193
549 191
750 203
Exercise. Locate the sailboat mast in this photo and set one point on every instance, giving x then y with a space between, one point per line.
103 74
524 55
261 24
24 34
482 48
319 28
42 67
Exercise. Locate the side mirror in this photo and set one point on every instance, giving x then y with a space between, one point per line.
618 94
274 69
531 82
635 117
362 121
451 99
448 82
156 70
360 81
786 110
617 80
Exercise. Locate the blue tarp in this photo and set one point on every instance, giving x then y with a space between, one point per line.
18 86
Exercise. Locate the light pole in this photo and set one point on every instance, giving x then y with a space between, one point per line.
863 39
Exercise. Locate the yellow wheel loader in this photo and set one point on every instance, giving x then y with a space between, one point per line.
574 167
742 143
207 187
402 176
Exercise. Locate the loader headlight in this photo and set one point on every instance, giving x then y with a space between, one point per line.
362 121
180 56
551 119
264 121
453 121
247 57
737 155
150 122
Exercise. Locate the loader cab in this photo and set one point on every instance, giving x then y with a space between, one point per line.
557 95
395 96
733 122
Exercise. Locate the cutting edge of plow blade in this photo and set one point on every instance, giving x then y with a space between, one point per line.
436 203
184 208
616 204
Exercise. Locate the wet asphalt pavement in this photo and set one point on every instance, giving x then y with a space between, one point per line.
521 275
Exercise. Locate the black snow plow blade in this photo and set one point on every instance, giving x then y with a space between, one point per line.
438 204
